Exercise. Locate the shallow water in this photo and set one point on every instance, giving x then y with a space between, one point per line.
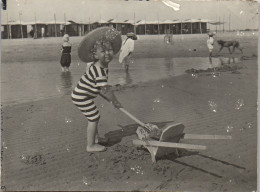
28 81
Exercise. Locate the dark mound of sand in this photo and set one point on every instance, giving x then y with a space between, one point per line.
223 68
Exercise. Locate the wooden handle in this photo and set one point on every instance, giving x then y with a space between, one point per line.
132 117
195 136
169 144
126 112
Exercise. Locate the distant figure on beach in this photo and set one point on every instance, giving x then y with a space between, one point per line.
168 38
127 49
31 33
210 42
97 50
42 32
65 59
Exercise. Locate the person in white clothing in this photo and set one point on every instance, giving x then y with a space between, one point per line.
210 43
127 49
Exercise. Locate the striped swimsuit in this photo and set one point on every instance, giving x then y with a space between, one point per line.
89 87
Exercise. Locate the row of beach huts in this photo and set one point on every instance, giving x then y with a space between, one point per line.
40 29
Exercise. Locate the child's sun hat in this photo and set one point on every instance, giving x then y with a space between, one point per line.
103 33
131 34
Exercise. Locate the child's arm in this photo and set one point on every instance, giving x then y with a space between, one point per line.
212 41
108 93
131 46
61 49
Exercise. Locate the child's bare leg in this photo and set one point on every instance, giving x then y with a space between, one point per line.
123 62
100 140
96 137
91 135
210 53
127 61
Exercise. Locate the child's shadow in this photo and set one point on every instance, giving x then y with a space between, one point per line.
116 136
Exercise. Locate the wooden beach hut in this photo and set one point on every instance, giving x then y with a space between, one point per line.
13 30
54 29
194 26
73 28
140 27
168 26
216 24
126 26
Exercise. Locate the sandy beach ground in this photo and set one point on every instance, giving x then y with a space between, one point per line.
44 140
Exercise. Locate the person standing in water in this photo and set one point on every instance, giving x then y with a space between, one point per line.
127 49
65 57
210 42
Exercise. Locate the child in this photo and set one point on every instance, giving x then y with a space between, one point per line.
168 38
127 49
98 47
210 43
65 57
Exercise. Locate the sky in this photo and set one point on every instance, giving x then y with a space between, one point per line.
242 14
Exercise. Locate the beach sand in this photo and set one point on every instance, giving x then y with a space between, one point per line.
43 142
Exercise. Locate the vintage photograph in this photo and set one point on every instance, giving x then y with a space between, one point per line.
129 95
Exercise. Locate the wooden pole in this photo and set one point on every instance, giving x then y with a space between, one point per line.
89 24
158 24
116 21
223 23
190 27
83 31
55 25
145 25
181 27
21 24
229 21
134 24
200 29
132 117
219 24
8 28
35 33
197 136
100 20
169 144
65 27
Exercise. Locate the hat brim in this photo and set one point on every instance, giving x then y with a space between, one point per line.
132 35
88 42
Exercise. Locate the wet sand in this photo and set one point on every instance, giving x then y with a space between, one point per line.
44 141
